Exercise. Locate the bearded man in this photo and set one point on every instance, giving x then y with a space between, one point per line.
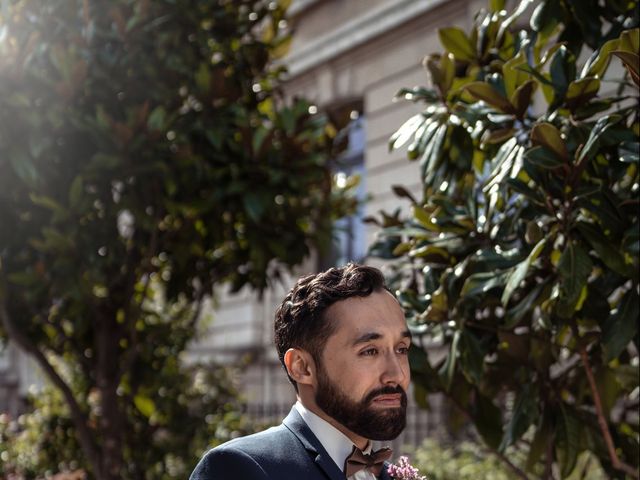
343 341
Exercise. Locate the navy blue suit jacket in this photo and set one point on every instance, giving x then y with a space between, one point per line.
289 451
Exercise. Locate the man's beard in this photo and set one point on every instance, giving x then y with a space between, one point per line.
360 417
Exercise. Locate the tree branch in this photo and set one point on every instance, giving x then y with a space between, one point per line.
79 418
602 421
494 451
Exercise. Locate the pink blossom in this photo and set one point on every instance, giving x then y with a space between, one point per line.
403 470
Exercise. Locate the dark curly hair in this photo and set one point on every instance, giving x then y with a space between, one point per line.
300 321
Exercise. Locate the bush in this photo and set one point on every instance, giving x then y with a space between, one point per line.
195 409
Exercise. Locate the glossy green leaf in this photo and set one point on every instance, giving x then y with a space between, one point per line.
574 267
543 158
519 273
145 405
524 414
539 444
406 131
563 71
472 353
480 283
521 99
488 420
496 5
548 136
611 257
448 369
485 92
582 90
621 327
568 440
631 62
630 40
597 64
455 40
591 145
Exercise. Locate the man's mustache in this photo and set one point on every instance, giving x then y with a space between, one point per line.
388 390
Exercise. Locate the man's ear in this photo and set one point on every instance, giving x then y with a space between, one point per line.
300 366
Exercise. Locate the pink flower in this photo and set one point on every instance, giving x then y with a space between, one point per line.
403 470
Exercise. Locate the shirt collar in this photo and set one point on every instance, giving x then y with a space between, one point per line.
336 443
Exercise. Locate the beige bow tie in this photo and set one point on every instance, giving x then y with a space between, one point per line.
360 461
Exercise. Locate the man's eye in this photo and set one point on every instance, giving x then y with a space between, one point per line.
369 352
403 350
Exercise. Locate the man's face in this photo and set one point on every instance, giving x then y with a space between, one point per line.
363 374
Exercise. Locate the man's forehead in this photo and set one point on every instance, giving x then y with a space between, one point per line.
358 316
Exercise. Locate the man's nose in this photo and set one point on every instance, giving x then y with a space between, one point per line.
395 369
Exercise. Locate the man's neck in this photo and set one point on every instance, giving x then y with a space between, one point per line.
358 441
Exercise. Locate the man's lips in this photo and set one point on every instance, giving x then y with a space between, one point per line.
389 400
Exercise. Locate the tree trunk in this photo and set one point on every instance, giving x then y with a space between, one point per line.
111 418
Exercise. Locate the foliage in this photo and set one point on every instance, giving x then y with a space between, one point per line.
206 413
146 156
466 461
520 262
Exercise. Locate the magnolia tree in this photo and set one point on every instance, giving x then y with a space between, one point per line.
145 158
519 262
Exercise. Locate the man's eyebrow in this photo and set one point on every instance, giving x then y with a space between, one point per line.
367 337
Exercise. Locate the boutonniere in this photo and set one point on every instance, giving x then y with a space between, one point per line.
403 470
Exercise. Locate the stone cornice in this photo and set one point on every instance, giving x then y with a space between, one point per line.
355 32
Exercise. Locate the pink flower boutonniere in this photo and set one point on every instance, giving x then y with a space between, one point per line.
403 470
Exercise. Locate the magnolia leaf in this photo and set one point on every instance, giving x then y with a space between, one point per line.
611 257
568 441
488 420
455 40
480 283
519 273
581 91
630 40
75 191
521 98
538 444
620 328
404 133
631 62
597 64
592 143
448 369
513 76
485 92
548 136
543 158
402 192
574 267
524 414
496 5
145 405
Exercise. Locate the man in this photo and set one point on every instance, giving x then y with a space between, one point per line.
343 340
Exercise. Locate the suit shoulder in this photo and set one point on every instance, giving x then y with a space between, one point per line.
258 456
228 463
265 441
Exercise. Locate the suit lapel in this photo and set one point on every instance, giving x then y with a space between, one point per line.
299 428
384 474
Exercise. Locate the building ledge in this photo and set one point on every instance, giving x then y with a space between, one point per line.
354 32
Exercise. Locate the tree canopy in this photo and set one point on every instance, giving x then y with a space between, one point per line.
146 156
519 262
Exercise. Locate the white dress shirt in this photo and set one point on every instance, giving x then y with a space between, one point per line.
336 443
